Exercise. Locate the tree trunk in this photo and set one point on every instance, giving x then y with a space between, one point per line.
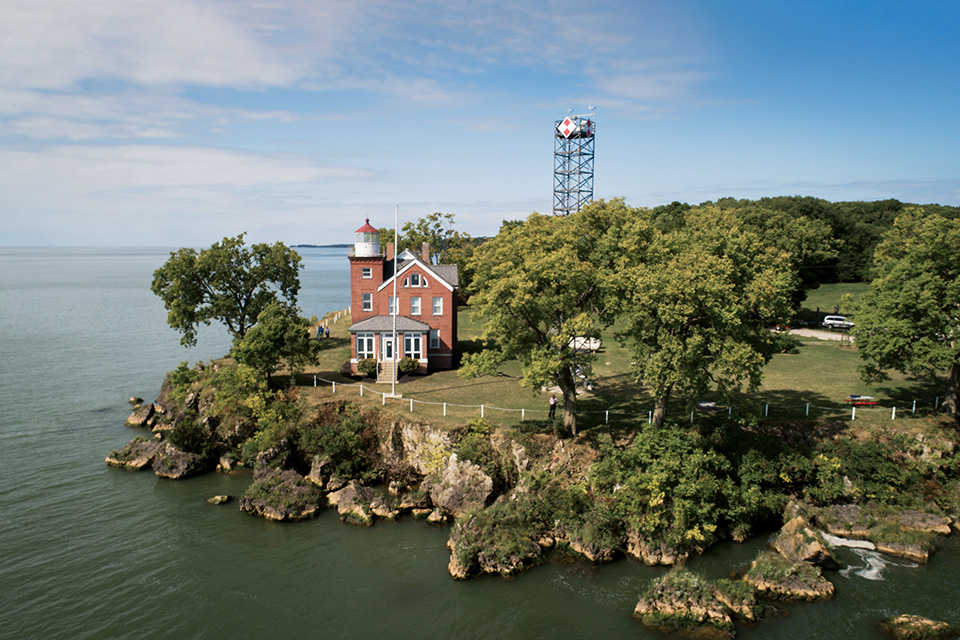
568 387
660 409
950 394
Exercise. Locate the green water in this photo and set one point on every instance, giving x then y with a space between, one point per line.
87 551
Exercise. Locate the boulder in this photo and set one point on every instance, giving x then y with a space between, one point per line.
381 509
797 542
683 602
319 471
910 627
219 499
176 464
282 495
353 503
137 455
142 413
278 457
776 577
461 486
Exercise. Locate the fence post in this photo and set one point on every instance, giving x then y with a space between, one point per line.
606 417
936 403
853 413
411 405
766 410
523 412
444 409
361 390
893 413
808 410
914 410
481 411
334 386
384 397
314 380
691 417
649 417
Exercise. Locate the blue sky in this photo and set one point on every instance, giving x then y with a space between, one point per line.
179 122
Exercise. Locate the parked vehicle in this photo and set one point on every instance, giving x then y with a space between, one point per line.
836 322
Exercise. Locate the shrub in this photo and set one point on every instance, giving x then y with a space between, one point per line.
408 365
368 367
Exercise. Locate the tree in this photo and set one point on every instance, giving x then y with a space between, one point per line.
228 282
909 320
696 301
535 289
280 337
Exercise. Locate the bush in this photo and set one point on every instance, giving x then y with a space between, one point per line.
368 367
189 435
345 440
408 365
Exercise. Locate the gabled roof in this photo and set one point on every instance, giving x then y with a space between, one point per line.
385 323
447 274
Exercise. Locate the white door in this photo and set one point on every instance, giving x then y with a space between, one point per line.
386 347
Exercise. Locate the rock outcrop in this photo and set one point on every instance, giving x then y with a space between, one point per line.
798 542
142 416
137 455
910 627
683 602
353 503
176 464
459 487
282 495
776 577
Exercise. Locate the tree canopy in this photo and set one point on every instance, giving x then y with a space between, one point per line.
228 282
536 290
909 320
696 301
280 337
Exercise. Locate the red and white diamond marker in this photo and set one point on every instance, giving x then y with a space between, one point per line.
567 127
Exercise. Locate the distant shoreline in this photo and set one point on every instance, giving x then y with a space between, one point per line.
320 246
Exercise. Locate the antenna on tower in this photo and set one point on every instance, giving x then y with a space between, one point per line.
573 162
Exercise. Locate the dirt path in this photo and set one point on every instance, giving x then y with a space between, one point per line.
821 334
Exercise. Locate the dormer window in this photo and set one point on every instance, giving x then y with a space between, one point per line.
414 280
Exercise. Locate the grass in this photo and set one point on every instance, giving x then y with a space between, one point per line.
820 373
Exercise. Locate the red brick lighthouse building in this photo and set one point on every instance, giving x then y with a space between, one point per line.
425 306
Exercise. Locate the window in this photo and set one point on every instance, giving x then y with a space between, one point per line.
415 306
391 306
437 306
412 345
415 280
434 339
364 345
366 273
368 302
423 281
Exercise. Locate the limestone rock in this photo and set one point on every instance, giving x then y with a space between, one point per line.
175 463
319 471
278 457
910 550
141 416
220 499
135 400
910 627
137 455
776 577
381 509
353 503
461 486
681 601
797 542
653 553
437 516
282 495
926 522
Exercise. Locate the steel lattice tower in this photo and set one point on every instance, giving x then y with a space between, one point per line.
573 163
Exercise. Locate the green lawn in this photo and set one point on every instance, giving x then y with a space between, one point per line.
819 373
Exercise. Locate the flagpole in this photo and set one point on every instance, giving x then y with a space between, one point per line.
396 302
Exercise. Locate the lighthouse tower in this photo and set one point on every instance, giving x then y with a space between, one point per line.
367 242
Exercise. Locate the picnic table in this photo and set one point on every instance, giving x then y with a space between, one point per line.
858 400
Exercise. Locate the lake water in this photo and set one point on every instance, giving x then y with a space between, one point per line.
87 551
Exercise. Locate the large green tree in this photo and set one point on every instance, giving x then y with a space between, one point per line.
229 282
280 337
536 290
909 320
695 300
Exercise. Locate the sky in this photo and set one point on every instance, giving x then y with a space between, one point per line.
181 122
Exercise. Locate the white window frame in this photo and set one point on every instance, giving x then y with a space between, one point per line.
391 304
434 338
367 301
438 305
415 305
366 273
366 345
413 345
415 280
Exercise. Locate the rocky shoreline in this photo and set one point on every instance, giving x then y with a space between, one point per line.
511 501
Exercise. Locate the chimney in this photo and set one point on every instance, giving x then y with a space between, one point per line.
389 251
425 252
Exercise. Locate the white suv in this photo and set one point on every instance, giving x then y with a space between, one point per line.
836 322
